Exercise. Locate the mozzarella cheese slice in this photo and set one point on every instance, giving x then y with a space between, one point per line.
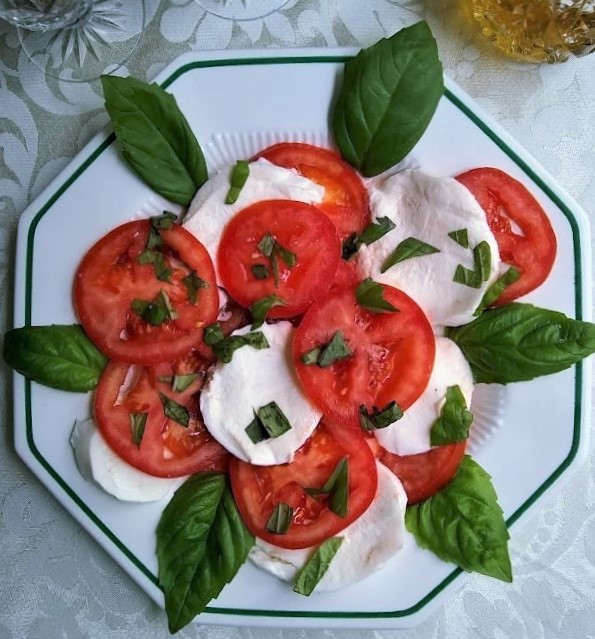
368 543
411 434
428 208
208 215
98 463
253 379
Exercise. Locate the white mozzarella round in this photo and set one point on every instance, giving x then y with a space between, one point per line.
208 214
411 434
97 462
368 543
253 379
428 208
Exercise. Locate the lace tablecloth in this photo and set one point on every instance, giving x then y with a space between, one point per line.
56 582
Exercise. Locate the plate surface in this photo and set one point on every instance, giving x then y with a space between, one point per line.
541 433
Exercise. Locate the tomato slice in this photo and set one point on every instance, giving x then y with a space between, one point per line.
258 489
167 448
346 277
110 278
530 245
392 355
345 201
299 228
424 474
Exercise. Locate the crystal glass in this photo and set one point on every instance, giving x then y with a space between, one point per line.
76 40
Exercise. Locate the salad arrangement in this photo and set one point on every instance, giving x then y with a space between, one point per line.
363 349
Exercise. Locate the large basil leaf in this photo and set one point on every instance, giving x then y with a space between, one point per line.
62 357
464 524
155 138
388 97
201 544
518 342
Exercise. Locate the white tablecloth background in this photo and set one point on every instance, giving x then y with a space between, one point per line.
55 582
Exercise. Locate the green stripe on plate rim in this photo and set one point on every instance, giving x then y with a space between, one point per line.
457 102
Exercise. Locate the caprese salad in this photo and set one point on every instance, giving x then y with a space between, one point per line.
296 355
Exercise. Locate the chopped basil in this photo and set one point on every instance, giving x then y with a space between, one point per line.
175 411
337 487
164 221
213 334
461 237
280 519
226 347
379 418
287 256
261 307
260 271
155 312
482 257
370 295
181 383
162 271
255 431
453 424
193 283
237 179
372 233
329 353
311 357
266 245
497 288
313 570
269 421
270 248
138 422
408 248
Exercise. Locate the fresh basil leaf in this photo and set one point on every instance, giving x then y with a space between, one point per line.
375 230
466 277
280 519
155 312
180 383
453 424
175 411
138 422
313 570
193 284
482 260
255 431
408 248
388 96
225 348
311 357
337 487
461 237
155 138
463 523
237 179
335 350
517 342
379 418
273 420
213 334
266 245
162 271
497 288
201 544
260 271
261 307
58 356
370 295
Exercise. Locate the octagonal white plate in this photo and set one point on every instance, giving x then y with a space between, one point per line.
236 103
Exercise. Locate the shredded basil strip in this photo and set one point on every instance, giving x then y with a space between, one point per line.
408 248
311 357
193 283
327 354
280 519
261 307
238 177
453 424
370 295
372 233
157 260
313 570
266 245
269 421
379 418
255 431
163 221
482 258
213 334
270 248
461 237
182 382
226 347
337 487
260 271
175 411
155 312
497 288
138 422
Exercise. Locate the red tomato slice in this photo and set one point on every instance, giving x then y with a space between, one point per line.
167 448
299 228
258 489
392 355
346 277
110 278
424 474
345 200
506 202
